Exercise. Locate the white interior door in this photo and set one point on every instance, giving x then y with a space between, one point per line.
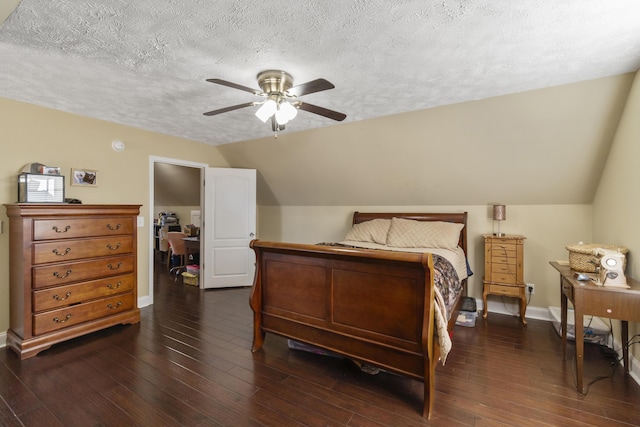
229 224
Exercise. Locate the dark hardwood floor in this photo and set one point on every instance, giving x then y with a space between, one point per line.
189 363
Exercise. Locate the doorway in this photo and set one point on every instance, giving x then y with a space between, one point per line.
174 185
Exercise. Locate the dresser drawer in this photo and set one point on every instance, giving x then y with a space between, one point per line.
80 271
67 250
69 228
60 296
64 317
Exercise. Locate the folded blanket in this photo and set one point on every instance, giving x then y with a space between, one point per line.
441 326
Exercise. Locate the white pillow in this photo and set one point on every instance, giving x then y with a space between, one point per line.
407 233
370 231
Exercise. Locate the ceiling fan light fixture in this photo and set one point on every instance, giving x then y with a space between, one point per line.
285 113
281 103
290 110
266 110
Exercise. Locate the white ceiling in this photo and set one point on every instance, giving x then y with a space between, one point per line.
144 63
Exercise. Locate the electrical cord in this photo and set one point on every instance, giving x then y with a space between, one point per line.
511 272
515 279
614 366
506 308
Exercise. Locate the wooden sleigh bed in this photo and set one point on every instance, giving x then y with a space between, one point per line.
374 306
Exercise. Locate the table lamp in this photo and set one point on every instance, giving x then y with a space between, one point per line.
499 214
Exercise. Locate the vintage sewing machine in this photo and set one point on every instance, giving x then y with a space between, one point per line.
611 271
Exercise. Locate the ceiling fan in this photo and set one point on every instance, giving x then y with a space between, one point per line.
281 104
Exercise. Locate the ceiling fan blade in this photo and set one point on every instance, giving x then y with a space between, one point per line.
317 85
224 110
235 86
321 111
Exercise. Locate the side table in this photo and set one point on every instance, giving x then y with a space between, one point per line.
588 298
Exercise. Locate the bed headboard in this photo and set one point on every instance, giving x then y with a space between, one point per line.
460 218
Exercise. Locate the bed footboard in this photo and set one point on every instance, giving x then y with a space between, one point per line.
372 306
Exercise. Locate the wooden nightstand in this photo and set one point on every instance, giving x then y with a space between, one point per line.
503 269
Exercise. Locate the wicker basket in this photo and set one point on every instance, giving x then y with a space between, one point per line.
582 256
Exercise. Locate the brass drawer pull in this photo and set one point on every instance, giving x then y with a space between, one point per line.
57 320
113 287
66 251
58 298
110 246
111 267
112 228
112 307
67 228
62 276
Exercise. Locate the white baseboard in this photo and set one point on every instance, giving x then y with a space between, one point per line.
512 308
3 339
634 364
144 301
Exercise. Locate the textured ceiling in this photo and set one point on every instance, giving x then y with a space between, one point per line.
144 63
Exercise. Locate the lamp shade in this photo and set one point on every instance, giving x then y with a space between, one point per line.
285 113
267 110
499 212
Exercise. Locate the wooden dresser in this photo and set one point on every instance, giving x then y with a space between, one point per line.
72 272
504 270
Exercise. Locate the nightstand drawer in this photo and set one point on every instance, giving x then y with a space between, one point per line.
504 251
507 279
505 261
498 268
509 291
505 241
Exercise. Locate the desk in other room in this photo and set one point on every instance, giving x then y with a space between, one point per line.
589 299
192 245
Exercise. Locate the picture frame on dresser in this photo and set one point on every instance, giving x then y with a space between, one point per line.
84 177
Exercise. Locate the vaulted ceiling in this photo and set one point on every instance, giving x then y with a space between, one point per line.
145 63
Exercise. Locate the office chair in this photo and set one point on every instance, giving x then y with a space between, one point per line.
177 247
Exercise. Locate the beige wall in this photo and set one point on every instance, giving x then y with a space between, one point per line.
617 201
547 228
543 147
34 134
